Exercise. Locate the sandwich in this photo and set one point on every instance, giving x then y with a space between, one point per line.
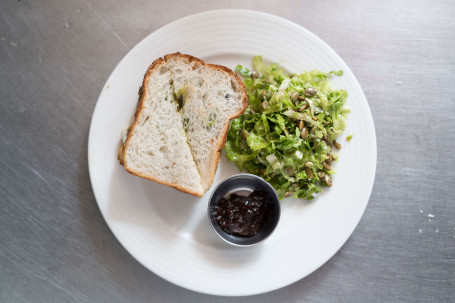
181 122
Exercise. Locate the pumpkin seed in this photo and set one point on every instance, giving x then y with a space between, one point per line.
304 133
326 166
294 96
336 144
310 92
328 180
288 194
309 173
302 108
289 171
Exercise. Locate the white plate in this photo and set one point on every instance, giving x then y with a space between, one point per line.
167 231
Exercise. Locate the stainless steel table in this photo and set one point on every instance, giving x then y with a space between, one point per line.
54 59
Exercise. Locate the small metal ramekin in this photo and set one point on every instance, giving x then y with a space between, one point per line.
244 184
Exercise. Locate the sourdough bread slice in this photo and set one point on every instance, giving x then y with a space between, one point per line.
182 120
212 96
156 147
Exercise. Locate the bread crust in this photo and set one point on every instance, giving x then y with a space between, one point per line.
219 144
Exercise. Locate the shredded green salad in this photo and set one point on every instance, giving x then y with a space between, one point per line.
287 133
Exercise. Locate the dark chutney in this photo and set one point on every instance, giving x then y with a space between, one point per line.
243 215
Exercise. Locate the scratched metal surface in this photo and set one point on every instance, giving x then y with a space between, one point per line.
56 55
